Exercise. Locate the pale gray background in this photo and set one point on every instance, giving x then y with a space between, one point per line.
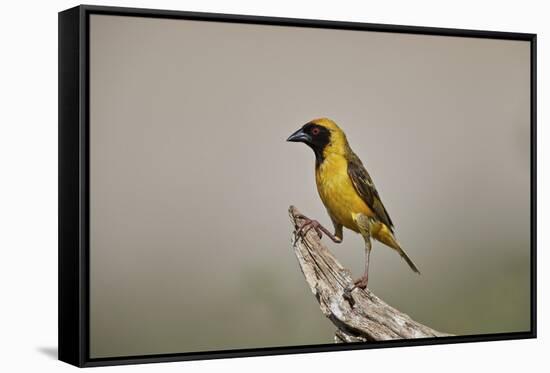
191 179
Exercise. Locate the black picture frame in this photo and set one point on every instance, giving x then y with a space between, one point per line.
74 182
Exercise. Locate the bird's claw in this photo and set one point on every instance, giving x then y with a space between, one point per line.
307 226
361 283
314 224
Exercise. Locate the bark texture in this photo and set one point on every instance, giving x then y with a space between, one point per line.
358 315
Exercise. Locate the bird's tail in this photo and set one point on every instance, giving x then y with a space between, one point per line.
407 259
386 237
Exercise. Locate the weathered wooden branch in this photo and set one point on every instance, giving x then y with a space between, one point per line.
359 315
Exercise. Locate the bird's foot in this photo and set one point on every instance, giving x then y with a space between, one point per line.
361 282
309 224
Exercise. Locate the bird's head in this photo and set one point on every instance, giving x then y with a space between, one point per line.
323 136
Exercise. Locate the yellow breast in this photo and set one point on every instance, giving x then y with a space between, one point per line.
338 193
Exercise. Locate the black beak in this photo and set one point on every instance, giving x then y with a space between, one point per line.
299 136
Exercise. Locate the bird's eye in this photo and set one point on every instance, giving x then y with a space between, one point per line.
315 131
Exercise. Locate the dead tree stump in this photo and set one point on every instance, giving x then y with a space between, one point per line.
359 315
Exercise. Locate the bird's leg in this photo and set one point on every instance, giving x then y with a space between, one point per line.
362 281
364 224
314 224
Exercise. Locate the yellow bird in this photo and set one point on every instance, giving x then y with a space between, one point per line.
347 191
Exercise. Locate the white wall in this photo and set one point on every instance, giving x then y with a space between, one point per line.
28 187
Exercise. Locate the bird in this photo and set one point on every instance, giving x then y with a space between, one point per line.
347 192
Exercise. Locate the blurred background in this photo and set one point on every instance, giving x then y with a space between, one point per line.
191 179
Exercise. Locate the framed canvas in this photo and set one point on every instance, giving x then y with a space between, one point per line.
236 186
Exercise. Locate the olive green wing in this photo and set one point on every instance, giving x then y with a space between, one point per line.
367 191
